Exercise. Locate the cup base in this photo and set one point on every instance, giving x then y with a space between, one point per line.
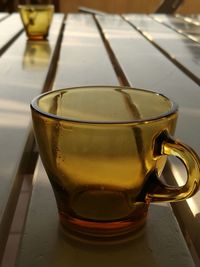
37 38
101 230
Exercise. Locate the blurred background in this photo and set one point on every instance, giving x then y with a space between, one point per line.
112 6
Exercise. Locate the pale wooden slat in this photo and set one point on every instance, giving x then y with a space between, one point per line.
3 15
23 71
176 22
9 28
187 211
159 244
193 18
43 244
185 51
188 29
146 67
83 57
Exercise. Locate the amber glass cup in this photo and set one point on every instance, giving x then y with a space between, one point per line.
36 20
104 149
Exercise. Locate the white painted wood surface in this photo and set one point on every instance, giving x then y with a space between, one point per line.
145 67
9 28
3 15
169 80
187 28
84 61
159 244
83 57
179 47
23 72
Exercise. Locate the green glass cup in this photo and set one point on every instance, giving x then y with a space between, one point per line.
104 149
36 20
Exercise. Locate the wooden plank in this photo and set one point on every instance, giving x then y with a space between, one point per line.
187 212
186 28
14 24
193 18
161 243
24 69
83 57
145 67
179 87
176 22
3 15
179 48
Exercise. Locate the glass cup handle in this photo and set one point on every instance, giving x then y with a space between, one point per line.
158 191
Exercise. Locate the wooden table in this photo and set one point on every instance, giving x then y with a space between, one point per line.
155 52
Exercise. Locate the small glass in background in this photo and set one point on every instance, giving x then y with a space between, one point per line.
36 19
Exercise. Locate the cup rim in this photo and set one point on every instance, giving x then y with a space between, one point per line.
38 6
172 110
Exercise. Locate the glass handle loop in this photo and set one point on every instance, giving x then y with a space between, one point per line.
158 191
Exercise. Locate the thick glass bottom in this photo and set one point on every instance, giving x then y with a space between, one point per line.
102 230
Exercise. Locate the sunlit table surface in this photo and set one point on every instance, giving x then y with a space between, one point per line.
155 52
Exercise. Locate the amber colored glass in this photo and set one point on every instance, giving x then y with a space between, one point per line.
103 149
36 55
36 20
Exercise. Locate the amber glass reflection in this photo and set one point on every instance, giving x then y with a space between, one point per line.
101 148
36 55
36 20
